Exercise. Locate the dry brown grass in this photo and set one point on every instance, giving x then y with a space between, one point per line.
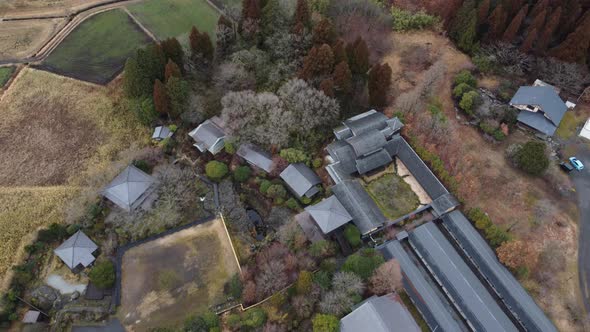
486 180
19 39
18 8
62 140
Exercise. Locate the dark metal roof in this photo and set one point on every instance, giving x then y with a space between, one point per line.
545 98
366 121
380 314
460 283
444 204
431 303
367 142
207 134
255 156
537 121
129 189
342 152
329 214
373 161
301 179
365 213
508 288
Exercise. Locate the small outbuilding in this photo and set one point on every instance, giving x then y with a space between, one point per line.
209 135
256 157
384 313
585 132
77 251
31 317
161 133
329 214
301 180
130 188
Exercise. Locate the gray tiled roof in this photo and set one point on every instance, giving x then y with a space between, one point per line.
367 142
301 179
431 303
341 151
463 287
255 156
380 314
538 121
373 161
508 288
365 213
329 214
366 121
128 189
206 134
444 204
77 250
544 97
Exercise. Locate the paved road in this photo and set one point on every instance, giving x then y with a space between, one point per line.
582 183
112 326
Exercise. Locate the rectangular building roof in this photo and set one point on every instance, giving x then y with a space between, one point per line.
301 179
508 288
537 121
365 213
380 314
255 156
543 97
435 309
462 286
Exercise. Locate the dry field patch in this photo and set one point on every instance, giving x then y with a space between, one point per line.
20 39
20 8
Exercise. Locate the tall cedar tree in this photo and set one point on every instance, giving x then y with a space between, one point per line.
134 82
272 19
302 14
318 63
171 70
225 26
379 85
323 32
571 12
512 6
548 31
497 21
514 26
538 21
142 69
358 57
173 51
339 50
529 41
161 101
483 10
327 87
538 7
342 78
201 45
461 19
251 9
467 38
575 47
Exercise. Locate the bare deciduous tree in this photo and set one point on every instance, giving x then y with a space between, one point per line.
386 279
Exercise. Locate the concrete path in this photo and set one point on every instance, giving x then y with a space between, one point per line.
64 287
582 183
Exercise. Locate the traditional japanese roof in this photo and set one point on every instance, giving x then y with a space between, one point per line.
301 179
367 142
380 314
502 281
77 250
373 161
329 214
462 286
161 132
543 97
206 135
255 156
129 189
537 121
367 121
366 215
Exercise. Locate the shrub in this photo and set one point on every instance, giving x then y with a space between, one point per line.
229 146
461 89
465 76
325 323
363 263
276 191
145 110
254 318
102 274
322 249
292 204
483 63
317 163
481 220
264 186
469 101
304 282
323 279
54 233
293 155
532 158
216 170
352 235
305 200
404 20
72 229
242 173
234 287
142 165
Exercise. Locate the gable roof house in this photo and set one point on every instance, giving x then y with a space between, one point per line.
541 108
77 251
255 156
301 180
161 133
365 213
209 135
130 188
329 214
384 313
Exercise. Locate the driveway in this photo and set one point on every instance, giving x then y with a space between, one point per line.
582 183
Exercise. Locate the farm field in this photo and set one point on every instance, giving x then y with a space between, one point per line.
393 195
5 73
170 278
23 38
96 50
175 18
54 130
20 8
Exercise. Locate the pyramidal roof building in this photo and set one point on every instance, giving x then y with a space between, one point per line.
130 188
329 214
77 250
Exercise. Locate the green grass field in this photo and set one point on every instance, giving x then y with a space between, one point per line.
5 73
175 18
97 49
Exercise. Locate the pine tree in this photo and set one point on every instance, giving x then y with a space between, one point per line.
529 41
323 32
462 17
358 56
318 62
514 26
327 87
161 101
342 78
467 38
483 10
173 51
302 14
171 70
538 21
549 31
339 50
497 22
379 84
575 47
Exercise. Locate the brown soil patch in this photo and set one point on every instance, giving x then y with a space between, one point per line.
21 39
20 8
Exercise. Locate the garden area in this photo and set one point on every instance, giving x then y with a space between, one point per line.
392 194
97 49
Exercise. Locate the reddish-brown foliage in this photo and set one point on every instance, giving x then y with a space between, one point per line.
171 70
201 44
549 30
379 85
497 22
575 47
516 254
318 62
529 40
483 11
358 56
343 78
386 279
514 26
302 14
323 32
339 50
161 100
327 87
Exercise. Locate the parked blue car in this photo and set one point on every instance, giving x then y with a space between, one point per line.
576 163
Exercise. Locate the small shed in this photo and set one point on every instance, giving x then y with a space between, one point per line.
31 317
585 132
255 156
161 133
77 251
301 180
130 188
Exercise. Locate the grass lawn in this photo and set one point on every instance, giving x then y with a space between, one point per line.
97 49
5 73
393 195
168 279
569 123
175 18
